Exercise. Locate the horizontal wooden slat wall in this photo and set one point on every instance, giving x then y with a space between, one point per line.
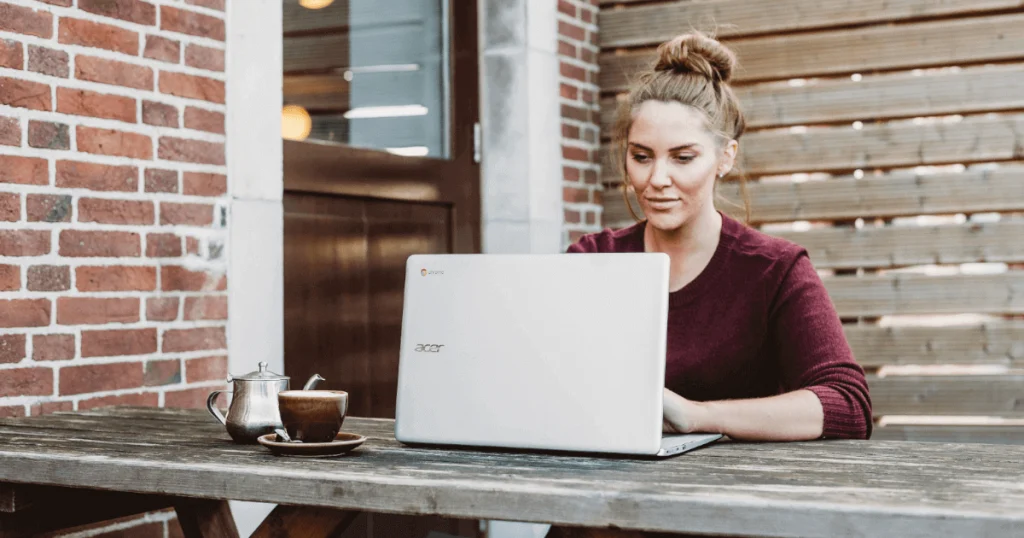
887 138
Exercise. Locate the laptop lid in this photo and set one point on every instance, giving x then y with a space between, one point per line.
556 352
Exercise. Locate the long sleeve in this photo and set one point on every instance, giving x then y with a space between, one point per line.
813 353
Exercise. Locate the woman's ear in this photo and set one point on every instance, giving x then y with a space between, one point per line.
728 160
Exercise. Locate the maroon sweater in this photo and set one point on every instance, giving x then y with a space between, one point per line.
756 322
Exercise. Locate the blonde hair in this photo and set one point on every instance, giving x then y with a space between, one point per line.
693 69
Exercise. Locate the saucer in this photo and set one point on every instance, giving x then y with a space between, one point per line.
344 442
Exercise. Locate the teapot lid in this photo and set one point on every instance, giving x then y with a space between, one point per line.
261 375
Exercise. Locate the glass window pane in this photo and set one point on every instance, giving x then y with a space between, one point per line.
368 73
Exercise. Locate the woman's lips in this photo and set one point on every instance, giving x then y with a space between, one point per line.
663 204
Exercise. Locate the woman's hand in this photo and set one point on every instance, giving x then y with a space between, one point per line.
685 416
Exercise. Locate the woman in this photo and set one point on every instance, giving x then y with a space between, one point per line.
756 350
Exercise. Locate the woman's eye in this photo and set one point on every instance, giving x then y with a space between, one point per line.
684 158
639 157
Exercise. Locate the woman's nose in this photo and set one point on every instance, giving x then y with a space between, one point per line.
659 174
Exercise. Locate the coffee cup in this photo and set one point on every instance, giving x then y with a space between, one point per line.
312 416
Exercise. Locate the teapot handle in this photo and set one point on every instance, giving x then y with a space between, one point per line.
213 409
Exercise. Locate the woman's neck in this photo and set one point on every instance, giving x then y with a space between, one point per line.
690 247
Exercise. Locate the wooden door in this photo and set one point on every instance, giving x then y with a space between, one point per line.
354 212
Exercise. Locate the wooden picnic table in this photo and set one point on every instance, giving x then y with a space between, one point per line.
145 458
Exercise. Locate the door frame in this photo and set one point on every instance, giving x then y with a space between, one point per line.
334 169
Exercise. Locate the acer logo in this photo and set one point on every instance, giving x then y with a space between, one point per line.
428 348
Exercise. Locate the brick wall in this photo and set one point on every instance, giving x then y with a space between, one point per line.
577 50
113 200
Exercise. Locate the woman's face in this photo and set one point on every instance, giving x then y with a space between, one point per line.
672 162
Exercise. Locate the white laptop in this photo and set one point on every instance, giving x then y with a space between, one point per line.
561 352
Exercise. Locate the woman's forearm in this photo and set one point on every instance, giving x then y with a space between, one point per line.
793 416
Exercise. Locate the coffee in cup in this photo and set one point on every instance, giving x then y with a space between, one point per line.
313 416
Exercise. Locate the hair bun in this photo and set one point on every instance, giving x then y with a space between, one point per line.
696 53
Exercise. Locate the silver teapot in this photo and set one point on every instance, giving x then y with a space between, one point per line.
253 411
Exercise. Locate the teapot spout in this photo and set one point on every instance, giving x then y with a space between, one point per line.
313 382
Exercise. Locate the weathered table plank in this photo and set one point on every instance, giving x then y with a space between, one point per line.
834 488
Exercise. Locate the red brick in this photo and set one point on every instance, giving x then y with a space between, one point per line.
26 382
571 31
163 49
12 411
574 236
10 207
10 277
186 214
12 54
53 347
189 22
23 20
204 120
591 219
159 114
567 8
12 348
570 174
572 71
578 196
162 309
575 154
576 113
147 399
24 313
191 245
114 143
209 307
202 57
186 399
24 170
46 135
45 408
176 278
117 343
115 278
115 211
126 10
113 72
84 244
206 369
191 151
159 373
24 242
10 132
96 105
97 35
590 177
25 94
570 131
588 55
97 177
48 61
212 4
572 217
97 311
163 246
49 278
48 208
180 340
566 49
192 87
161 180
100 377
200 184
587 15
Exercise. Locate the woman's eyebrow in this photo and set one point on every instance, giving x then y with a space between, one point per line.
677 148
